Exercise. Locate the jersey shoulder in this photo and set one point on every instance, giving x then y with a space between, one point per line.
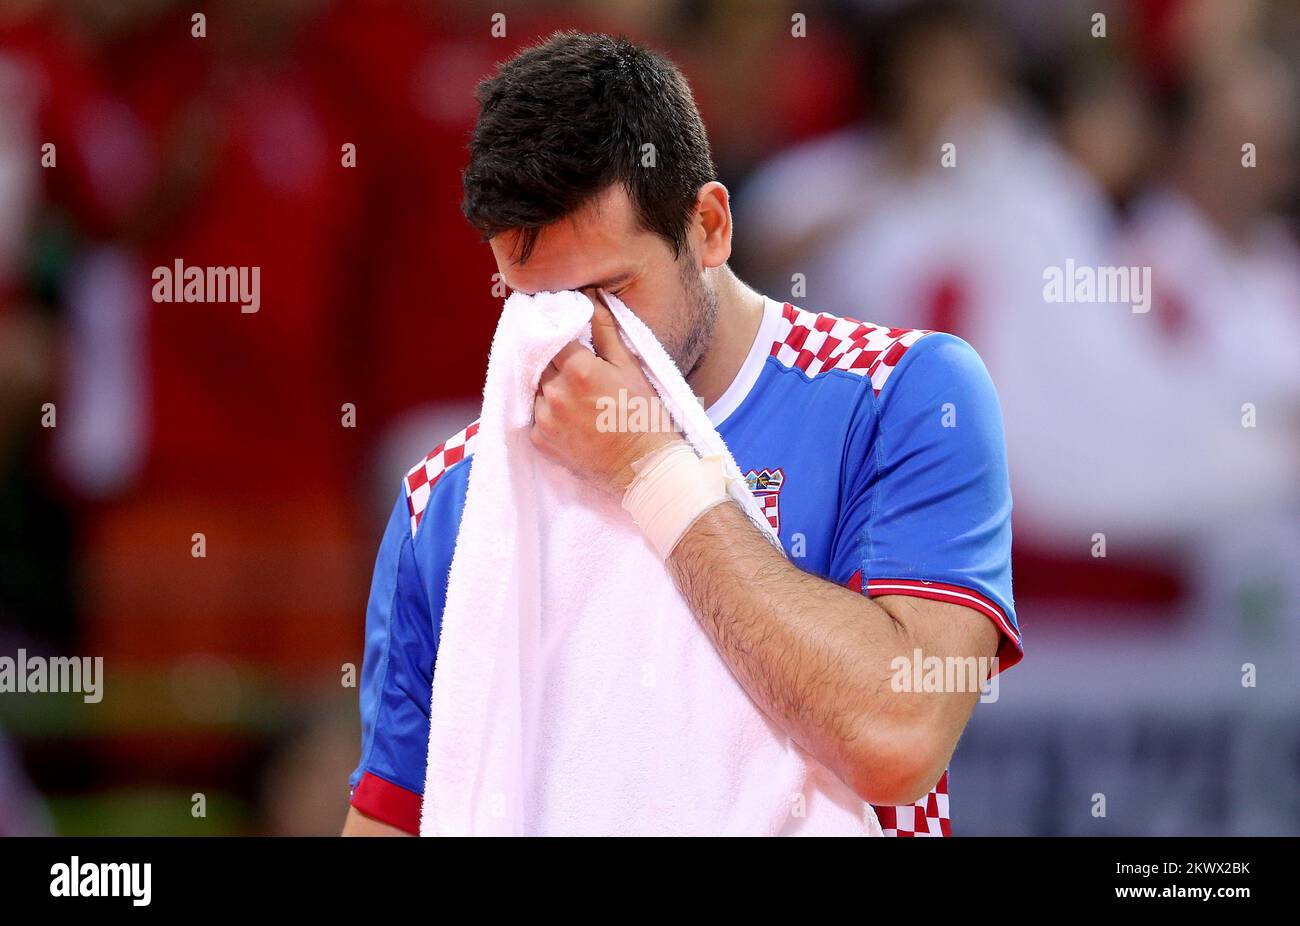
424 477
819 343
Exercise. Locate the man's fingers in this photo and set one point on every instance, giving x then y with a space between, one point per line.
541 413
548 375
569 353
605 337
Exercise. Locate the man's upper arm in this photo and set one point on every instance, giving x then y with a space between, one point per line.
396 684
403 622
928 516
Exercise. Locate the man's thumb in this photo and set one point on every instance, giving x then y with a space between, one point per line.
605 337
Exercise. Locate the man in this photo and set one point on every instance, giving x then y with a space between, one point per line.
876 453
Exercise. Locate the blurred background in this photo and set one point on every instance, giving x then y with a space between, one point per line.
1170 439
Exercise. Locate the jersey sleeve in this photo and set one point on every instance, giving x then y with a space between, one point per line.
927 507
396 683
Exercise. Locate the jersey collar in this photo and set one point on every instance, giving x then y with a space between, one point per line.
735 394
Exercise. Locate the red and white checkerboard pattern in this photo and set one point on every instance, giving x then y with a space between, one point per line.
768 504
422 477
927 817
818 342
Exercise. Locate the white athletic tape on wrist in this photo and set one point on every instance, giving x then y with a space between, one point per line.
671 489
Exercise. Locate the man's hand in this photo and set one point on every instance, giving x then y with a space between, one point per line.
577 419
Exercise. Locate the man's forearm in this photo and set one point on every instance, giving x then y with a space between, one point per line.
813 655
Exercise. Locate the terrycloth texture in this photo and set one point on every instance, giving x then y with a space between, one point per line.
574 692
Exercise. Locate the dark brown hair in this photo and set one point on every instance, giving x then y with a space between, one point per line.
564 120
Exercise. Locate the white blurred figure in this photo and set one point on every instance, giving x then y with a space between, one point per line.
1226 274
18 168
24 336
882 230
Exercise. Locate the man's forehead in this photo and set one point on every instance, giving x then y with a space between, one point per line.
588 248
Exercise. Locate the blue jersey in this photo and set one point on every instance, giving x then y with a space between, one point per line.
877 453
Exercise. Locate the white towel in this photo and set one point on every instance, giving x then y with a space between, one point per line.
574 693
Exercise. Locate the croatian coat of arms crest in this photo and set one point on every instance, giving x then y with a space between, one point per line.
765 485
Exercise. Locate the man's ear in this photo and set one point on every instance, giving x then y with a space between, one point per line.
713 224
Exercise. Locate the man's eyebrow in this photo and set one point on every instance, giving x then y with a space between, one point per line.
609 282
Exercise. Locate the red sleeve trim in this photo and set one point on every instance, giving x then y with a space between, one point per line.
1010 649
388 803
